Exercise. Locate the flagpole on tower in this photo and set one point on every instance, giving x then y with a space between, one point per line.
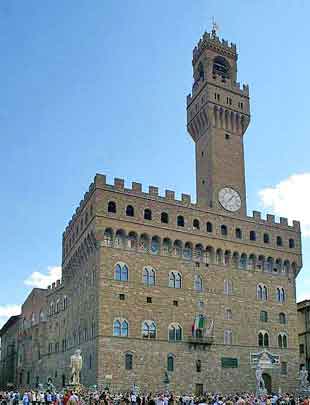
215 28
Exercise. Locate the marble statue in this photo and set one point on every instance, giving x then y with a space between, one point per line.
76 363
303 378
260 383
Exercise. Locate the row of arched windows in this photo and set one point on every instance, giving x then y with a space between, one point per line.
121 273
197 225
148 331
263 339
61 304
262 293
188 251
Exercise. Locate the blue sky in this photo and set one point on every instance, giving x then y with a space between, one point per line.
101 86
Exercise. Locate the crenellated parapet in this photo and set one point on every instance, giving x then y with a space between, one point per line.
57 285
213 42
185 201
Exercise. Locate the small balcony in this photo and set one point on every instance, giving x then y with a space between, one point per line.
199 341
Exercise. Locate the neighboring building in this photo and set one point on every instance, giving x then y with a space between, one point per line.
32 338
165 293
8 362
303 309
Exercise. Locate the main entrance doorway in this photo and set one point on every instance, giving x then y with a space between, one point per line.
267 381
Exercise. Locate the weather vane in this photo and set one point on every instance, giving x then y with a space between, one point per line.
215 28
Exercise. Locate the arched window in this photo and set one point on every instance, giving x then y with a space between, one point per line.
175 279
149 330
282 318
130 212
175 332
279 241
112 207
221 67
251 262
224 230
227 337
149 276
121 272
196 224
261 292
198 366
252 235
219 256
263 339
120 238
58 305
198 283
266 238
282 340
170 362
269 264
132 240
108 237
228 287
238 233
235 260
243 261
148 214
120 328
128 361
291 243
180 220
280 294
164 218
124 328
286 267
116 328
227 255
228 314
263 316
155 245
209 227
166 247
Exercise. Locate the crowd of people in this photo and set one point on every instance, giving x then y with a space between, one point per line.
68 397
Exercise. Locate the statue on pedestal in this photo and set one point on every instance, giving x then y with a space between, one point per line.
76 363
260 383
303 379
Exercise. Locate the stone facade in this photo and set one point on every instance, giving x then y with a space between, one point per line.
9 345
140 270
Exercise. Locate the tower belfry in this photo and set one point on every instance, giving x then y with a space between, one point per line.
218 114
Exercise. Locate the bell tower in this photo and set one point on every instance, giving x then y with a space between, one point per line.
218 114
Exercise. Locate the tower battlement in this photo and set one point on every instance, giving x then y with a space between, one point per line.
213 42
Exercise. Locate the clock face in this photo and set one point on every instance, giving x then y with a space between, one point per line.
229 199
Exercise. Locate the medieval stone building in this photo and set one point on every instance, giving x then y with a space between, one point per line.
171 294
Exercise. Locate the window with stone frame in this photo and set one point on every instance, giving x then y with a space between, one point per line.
148 214
209 227
128 361
175 279
174 333
170 362
112 207
227 337
263 316
149 330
